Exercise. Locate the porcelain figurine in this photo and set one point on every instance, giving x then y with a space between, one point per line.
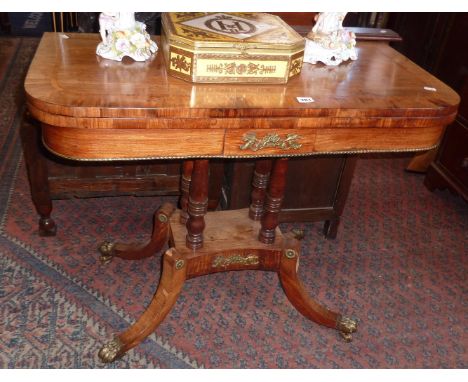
329 42
123 36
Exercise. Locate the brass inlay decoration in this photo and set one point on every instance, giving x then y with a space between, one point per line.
224 262
271 141
290 253
179 264
162 218
110 351
231 68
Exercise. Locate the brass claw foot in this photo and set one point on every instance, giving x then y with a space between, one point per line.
174 271
298 233
346 336
346 326
107 252
110 351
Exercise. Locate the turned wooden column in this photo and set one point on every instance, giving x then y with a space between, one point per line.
187 169
274 198
197 204
259 186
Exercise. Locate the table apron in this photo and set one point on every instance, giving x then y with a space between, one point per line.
129 144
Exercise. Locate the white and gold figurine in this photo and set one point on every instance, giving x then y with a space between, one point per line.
329 42
123 36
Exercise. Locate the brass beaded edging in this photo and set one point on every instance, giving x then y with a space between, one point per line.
404 150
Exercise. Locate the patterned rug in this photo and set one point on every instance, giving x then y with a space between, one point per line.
399 266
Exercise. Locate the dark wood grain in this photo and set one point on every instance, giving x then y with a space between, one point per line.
186 177
136 251
317 189
449 170
197 204
260 181
37 170
273 200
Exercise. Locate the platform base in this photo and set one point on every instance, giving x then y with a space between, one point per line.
230 244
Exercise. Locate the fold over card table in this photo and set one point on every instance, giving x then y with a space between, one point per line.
92 109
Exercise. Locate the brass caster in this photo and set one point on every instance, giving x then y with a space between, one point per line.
346 326
107 252
110 351
346 336
298 233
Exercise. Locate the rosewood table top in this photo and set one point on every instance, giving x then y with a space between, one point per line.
97 109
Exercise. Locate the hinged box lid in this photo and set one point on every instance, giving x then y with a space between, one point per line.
231 47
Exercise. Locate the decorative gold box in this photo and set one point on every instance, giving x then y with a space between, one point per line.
230 47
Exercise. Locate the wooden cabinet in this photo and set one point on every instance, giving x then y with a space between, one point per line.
450 167
437 42
317 189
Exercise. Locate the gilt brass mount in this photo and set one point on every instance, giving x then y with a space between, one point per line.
110 351
346 326
162 218
272 140
107 252
298 233
224 262
290 253
179 264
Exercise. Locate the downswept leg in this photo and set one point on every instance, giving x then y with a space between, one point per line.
306 305
133 251
172 279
